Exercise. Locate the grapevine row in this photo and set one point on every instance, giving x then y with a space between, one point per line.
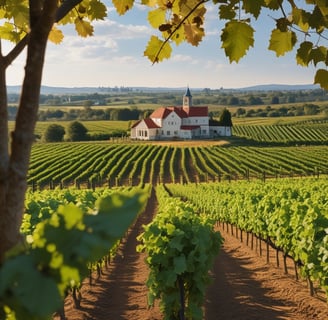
181 247
68 234
291 215
130 164
282 133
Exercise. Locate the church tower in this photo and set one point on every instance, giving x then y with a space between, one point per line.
187 99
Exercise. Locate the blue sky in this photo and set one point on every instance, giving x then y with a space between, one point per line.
114 57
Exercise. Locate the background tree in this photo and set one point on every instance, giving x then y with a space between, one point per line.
54 133
76 131
225 118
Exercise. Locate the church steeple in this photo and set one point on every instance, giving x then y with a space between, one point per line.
187 99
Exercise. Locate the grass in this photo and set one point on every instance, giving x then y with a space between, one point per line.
94 127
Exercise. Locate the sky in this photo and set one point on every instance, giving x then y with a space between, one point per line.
114 57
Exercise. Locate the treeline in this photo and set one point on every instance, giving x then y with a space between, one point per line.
87 113
75 131
205 96
127 114
283 111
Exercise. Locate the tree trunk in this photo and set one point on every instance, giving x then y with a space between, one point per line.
4 144
14 187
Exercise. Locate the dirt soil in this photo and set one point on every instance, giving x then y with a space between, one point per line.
244 287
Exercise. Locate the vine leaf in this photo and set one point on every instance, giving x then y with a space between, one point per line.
318 54
253 7
122 6
282 41
83 28
97 10
303 53
156 17
157 50
321 77
194 34
237 37
56 36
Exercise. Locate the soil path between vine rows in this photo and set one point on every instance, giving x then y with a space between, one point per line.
244 287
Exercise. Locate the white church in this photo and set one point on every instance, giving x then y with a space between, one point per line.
182 122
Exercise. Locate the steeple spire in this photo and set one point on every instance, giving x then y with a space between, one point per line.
187 99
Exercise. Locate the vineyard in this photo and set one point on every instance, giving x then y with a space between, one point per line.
300 133
289 215
271 191
128 164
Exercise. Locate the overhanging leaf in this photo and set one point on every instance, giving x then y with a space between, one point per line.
237 37
282 42
83 28
194 34
303 53
253 7
321 77
157 50
122 6
156 17
56 36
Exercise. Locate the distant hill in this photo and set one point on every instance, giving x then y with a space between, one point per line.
280 87
89 90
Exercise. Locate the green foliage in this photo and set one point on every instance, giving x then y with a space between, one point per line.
76 131
181 246
125 163
54 133
60 245
236 37
225 118
291 214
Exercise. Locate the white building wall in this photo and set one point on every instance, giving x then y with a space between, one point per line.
171 126
142 132
220 131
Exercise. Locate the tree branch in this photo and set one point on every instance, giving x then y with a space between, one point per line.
65 8
62 11
177 27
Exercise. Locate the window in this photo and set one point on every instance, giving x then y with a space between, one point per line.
167 133
146 133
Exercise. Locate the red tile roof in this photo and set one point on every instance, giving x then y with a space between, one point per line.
150 124
161 113
197 111
135 124
189 127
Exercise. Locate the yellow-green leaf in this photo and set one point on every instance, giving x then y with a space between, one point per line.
318 54
193 33
122 6
253 7
97 10
156 17
321 77
8 32
282 42
237 37
156 50
303 53
56 36
178 37
83 28
301 18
